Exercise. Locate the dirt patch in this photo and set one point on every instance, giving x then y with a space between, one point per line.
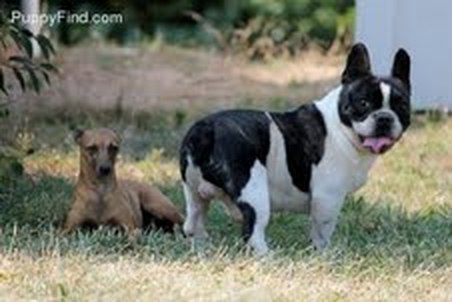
142 78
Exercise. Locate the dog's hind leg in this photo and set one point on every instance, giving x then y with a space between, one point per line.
254 202
196 211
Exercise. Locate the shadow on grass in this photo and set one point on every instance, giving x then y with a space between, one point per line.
371 234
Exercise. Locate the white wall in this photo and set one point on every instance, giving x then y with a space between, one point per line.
422 27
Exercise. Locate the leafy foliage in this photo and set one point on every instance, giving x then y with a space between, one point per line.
17 60
257 28
30 72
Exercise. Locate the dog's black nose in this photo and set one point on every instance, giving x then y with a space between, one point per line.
383 124
384 121
104 170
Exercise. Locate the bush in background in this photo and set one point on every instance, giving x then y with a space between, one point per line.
259 29
19 67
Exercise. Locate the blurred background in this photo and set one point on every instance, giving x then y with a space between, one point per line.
253 33
258 28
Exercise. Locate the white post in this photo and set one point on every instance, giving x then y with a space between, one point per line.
31 8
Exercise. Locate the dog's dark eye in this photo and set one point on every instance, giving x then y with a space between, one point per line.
113 149
363 104
92 149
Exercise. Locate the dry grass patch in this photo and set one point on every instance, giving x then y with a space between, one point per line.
85 278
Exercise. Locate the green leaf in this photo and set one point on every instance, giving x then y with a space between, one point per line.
14 27
4 44
45 43
28 46
16 38
22 42
21 60
27 32
35 83
20 78
44 49
3 20
49 67
2 82
46 77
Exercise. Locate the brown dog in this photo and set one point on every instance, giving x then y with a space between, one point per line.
101 199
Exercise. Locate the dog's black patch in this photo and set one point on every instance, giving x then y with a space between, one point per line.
249 219
304 133
225 146
400 101
351 100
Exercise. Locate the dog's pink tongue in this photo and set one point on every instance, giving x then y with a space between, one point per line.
377 144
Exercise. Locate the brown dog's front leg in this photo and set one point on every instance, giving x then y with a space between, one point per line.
133 235
70 225
130 228
74 219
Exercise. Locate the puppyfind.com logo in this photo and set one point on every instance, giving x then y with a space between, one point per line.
60 16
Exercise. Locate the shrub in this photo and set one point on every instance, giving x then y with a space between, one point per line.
17 62
257 28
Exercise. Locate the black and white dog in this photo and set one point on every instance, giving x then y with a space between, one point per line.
304 160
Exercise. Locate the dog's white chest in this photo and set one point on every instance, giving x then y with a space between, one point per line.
342 169
283 194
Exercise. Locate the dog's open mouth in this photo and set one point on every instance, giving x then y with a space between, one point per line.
377 145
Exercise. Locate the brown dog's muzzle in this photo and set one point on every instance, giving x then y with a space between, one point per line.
104 170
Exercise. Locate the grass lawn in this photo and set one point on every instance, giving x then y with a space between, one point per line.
393 241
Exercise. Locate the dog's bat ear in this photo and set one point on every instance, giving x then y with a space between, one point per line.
401 67
358 64
78 133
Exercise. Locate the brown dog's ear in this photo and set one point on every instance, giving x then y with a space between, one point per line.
78 133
